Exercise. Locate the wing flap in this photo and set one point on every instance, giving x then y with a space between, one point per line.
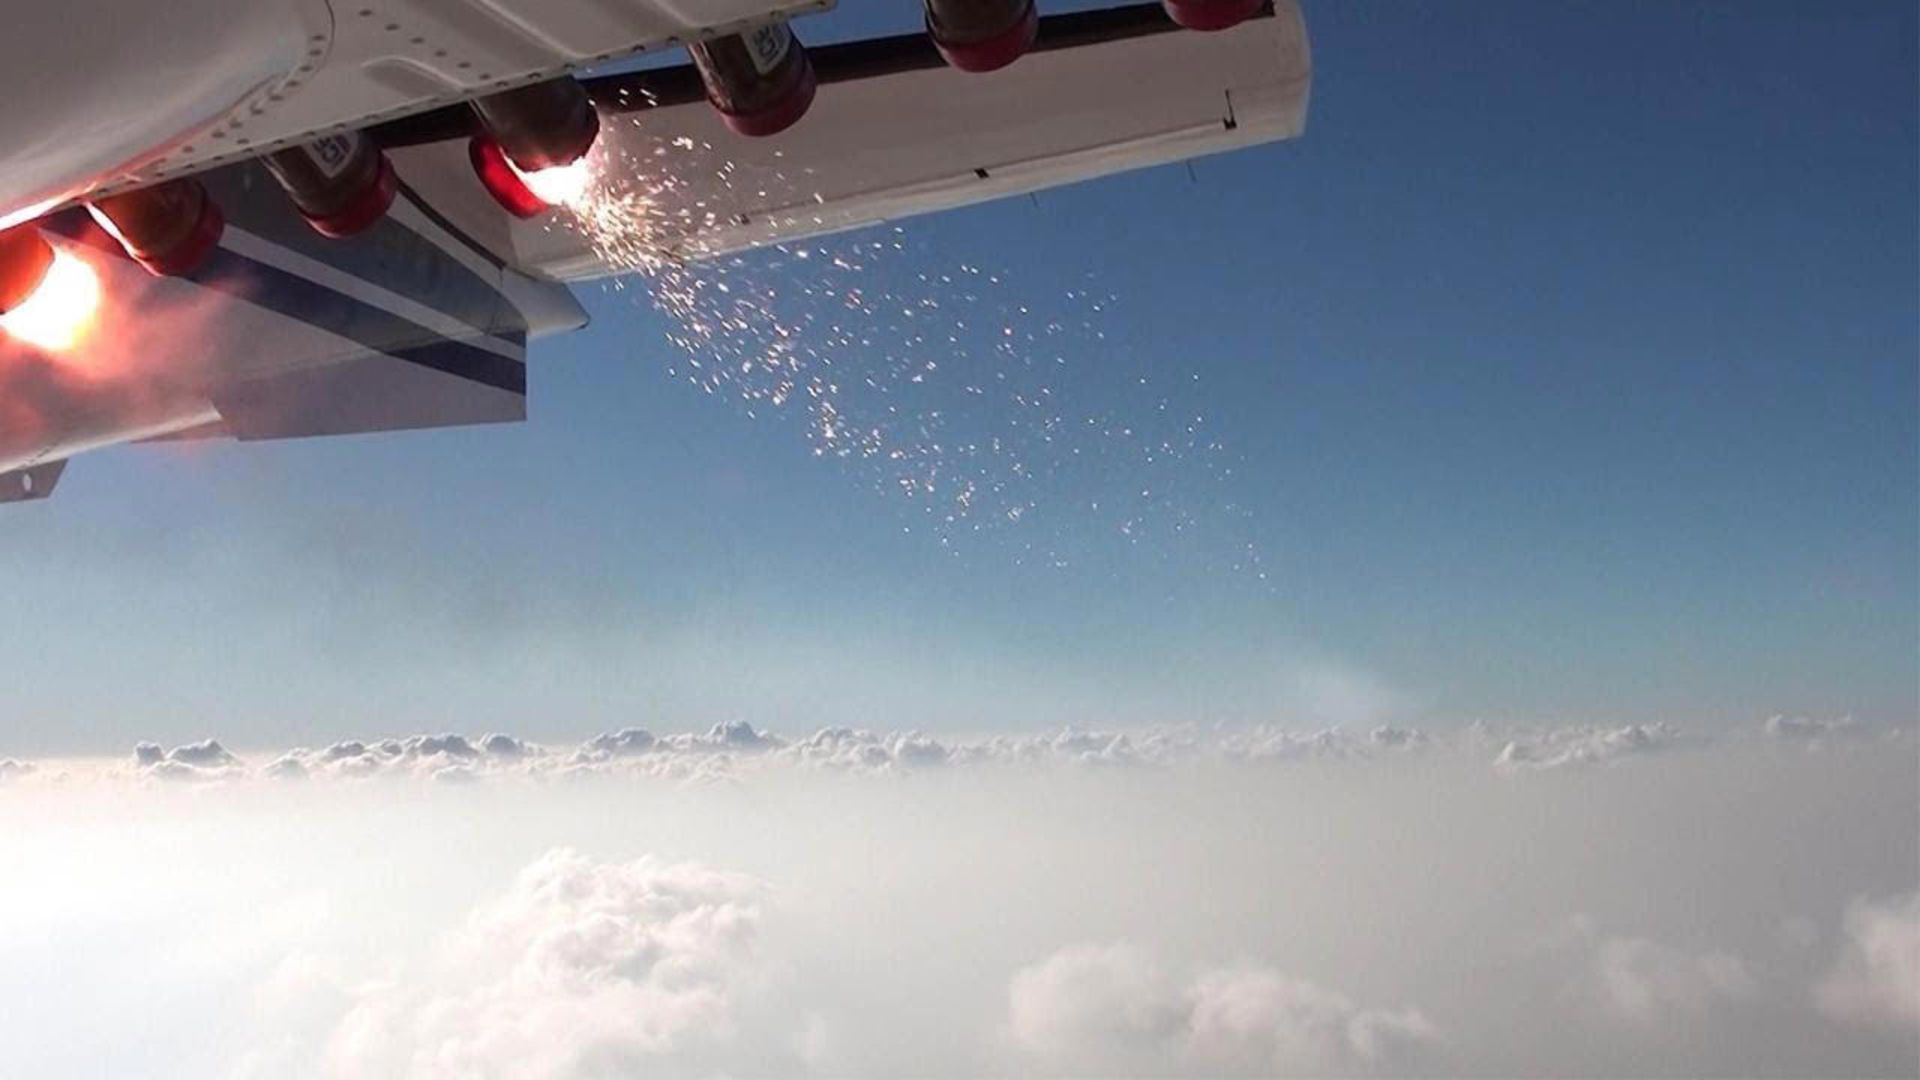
444 385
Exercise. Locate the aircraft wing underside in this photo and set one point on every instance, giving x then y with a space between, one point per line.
280 334
895 133
423 319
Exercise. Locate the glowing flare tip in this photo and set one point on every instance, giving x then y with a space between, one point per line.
559 185
61 309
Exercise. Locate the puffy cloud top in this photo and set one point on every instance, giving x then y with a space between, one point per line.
1876 979
505 746
1091 1009
728 749
1586 746
724 748
1643 981
205 760
627 962
1813 731
619 743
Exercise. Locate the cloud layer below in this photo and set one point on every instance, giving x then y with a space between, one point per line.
1163 903
734 749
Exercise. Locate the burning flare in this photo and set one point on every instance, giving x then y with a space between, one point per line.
558 185
60 310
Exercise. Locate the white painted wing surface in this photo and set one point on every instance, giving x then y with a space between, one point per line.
910 142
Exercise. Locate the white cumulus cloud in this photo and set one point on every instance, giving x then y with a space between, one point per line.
1570 746
734 749
1642 981
581 969
1815 732
1109 1009
206 760
1876 979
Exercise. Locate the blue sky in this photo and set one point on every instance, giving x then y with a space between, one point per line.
1565 369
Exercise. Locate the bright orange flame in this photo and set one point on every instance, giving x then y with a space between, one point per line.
60 310
559 185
